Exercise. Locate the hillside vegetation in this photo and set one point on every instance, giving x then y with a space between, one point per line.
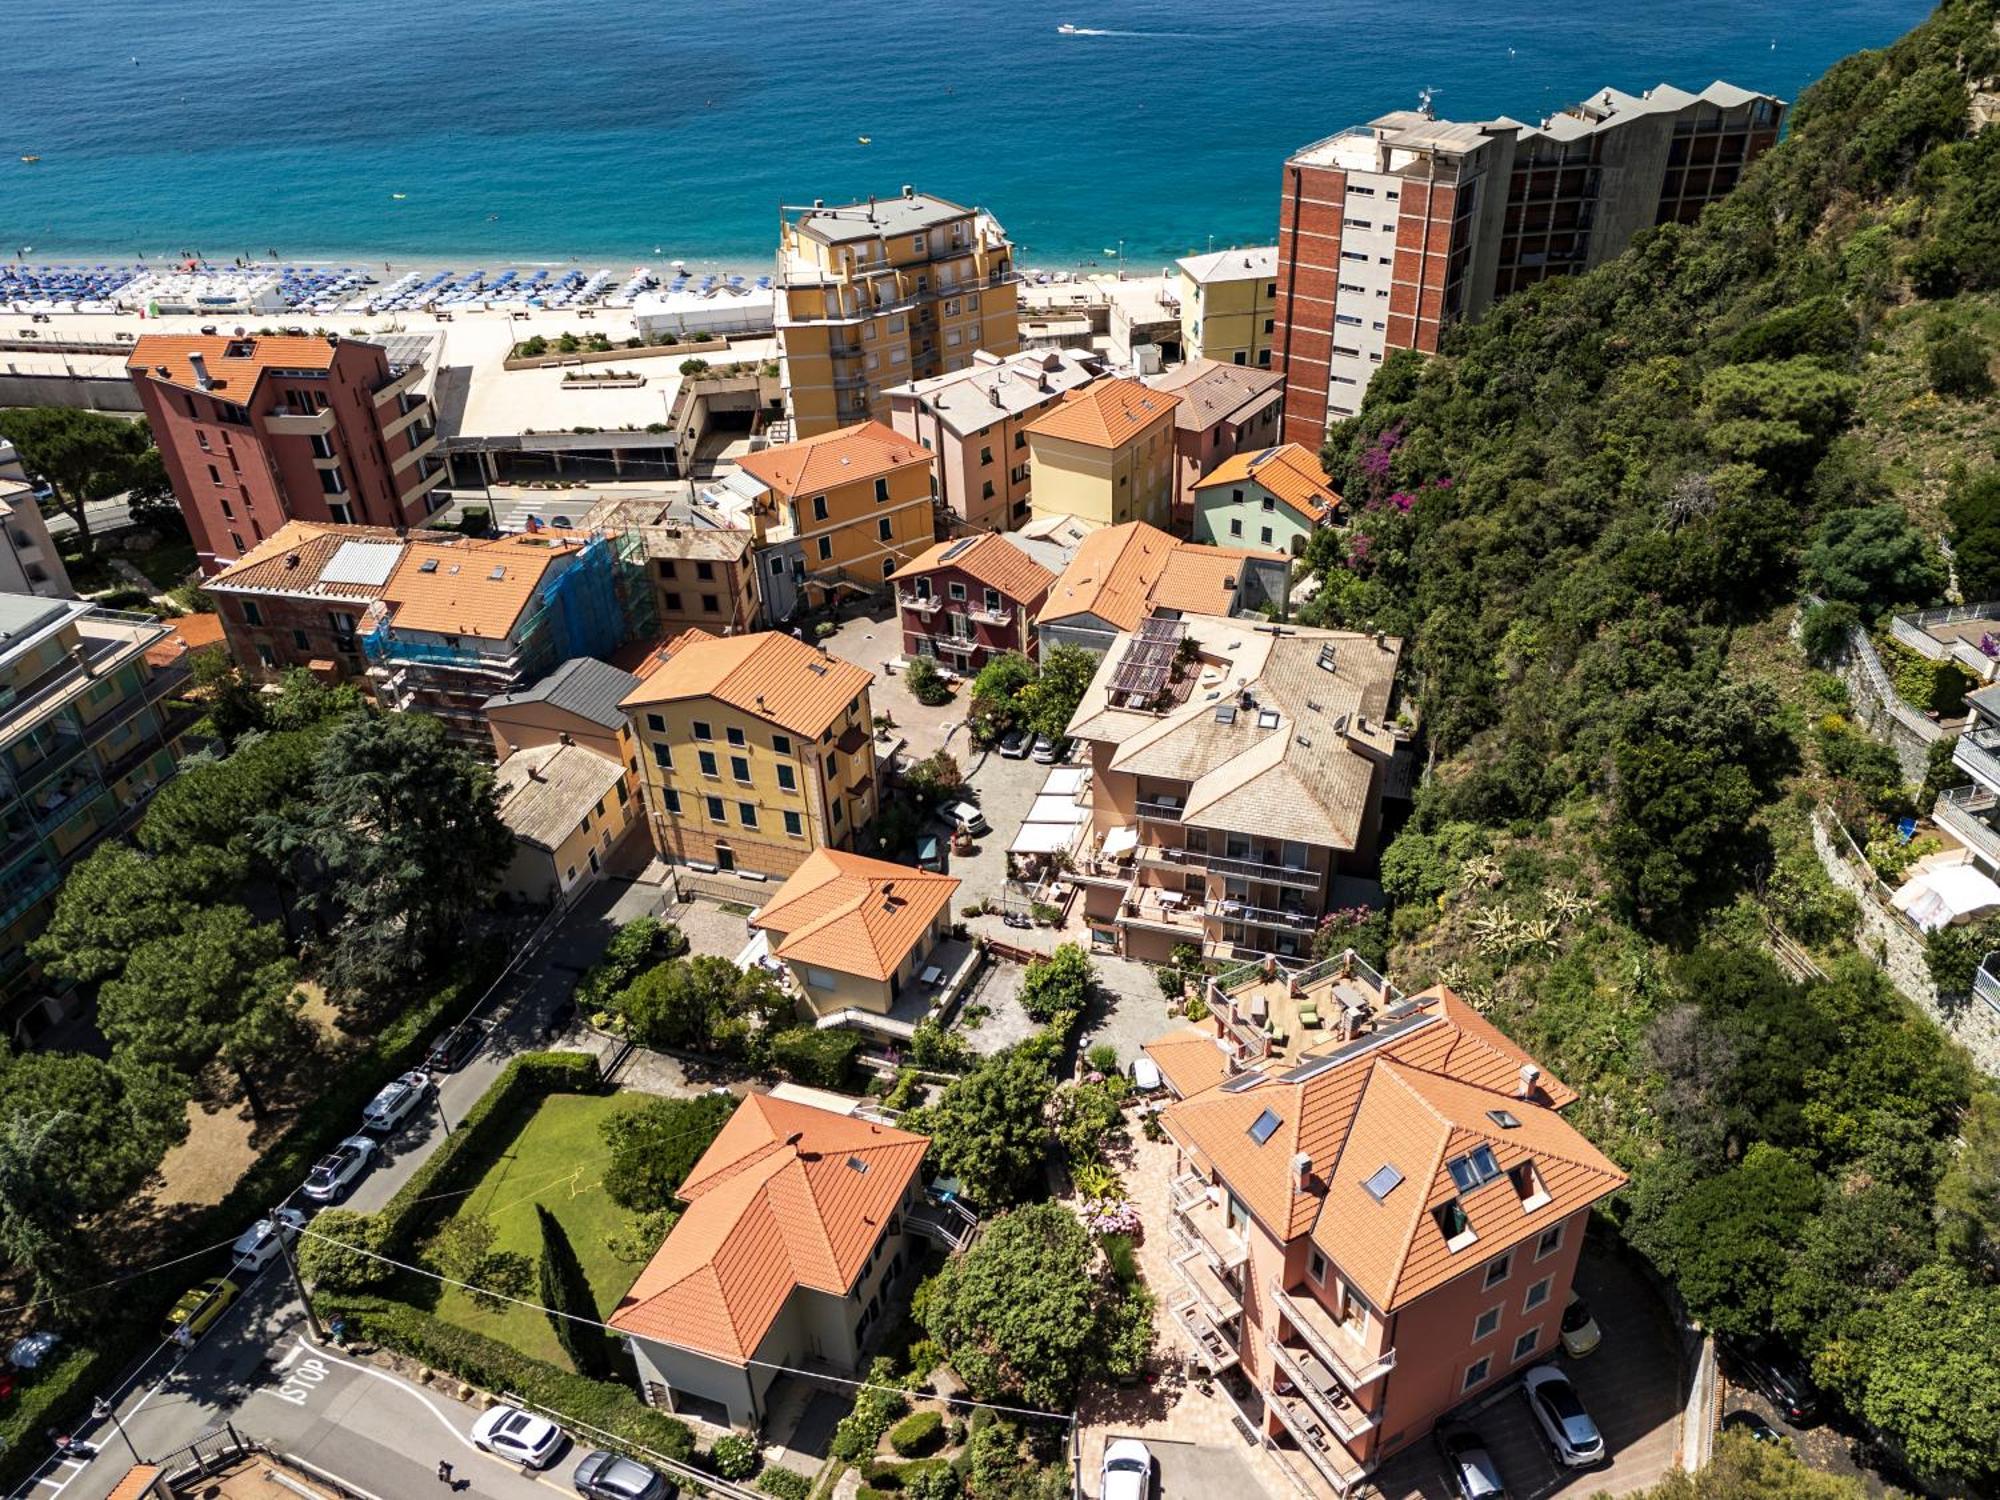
1591 515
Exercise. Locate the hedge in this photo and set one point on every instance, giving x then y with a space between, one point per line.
917 1434
61 1397
494 1366
786 1484
822 1059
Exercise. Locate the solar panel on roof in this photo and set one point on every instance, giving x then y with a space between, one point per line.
1244 1083
1313 1067
1262 456
367 563
955 548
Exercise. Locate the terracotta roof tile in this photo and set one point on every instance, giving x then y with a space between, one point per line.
1290 471
291 560
786 1196
768 673
1191 1059
853 914
232 377
1212 391
1108 414
473 587
848 455
991 558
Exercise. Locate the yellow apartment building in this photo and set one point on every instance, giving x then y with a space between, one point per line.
1229 305
852 506
755 750
1106 455
879 293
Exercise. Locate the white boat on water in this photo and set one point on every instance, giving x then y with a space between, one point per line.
1066 30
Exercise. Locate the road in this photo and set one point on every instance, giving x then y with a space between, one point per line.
250 1369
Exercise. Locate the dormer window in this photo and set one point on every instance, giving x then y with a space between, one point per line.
1453 1225
1528 1185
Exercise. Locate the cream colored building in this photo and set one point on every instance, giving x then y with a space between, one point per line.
1106 455
29 561
1229 305
568 808
882 292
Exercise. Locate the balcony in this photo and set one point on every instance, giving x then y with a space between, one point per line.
1148 906
1213 1346
1331 1463
1330 1401
1986 980
1286 919
429 480
417 454
1170 811
1207 1225
1163 857
418 409
26 887
1978 755
1217 1299
925 605
1332 1340
395 385
1300 876
984 616
291 421
1966 813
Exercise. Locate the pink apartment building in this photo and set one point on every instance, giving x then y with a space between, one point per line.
976 421
1377 1208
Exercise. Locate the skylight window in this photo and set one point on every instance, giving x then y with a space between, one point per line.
856 1164
1474 1169
1264 1127
1267 718
1226 714
1504 1118
1382 1182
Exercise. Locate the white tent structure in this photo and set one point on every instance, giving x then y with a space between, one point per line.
1946 896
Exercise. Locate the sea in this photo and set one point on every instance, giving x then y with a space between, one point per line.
613 132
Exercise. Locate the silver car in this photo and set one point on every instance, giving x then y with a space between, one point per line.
612 1476
258 1245
398 1099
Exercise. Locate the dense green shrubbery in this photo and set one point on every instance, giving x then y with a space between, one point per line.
1060 982
926 682
654 1147
733 1456
822 1059
918 1434
784 1483
633 949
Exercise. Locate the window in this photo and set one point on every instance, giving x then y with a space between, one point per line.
836 814
705 571
1537 1295
819 507
1525 1344
707 760
825 549
252 615
673 603
657 723
1264 535
881 490
715 809
993 601
301 640
702 730
1316 1267
793 826
985 455
1476 1372
733 735
820 979
956 590
782 743
739 767
1382 1182
1269 504
663 757
787 779
888 567
746 813
1474 1169
1485 1323
711 604
1454 1226
1497 1271
1528 1186
666 567
777 567
885 530
1550 1242
672 801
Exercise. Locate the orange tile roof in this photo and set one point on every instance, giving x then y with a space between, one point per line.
137 1482
475 588
1108 414
1122 573
848 455
992 559
786 1196
196 631
1290 471
853 914
1413 1100
768 673
291 559
1200 580
233 377
1191 1059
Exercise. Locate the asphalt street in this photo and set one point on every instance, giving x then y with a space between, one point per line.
357 1423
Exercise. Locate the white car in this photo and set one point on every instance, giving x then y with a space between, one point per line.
1146 1077
1128 1471
333 1174
1573 1437
519 1435
258 1245
1580 1334
390 1108
967 818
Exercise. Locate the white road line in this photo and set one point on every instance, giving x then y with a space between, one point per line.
306 1346
288 1361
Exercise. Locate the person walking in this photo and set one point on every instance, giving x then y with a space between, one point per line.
444 1471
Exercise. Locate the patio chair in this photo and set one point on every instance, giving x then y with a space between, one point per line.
1309 1015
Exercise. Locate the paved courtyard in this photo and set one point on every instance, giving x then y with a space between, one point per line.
870 641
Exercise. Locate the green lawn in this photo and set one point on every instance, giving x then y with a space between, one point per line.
557 1161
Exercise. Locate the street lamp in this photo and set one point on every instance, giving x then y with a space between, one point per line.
100 1409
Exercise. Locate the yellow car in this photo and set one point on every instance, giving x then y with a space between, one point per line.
198 1309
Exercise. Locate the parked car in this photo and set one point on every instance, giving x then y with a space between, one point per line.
519 1435
399 1098
1146 1077
198 1308
1048 751
29 1351
1468 1466
612 1476
258 1245
1767 1367
449 1052
1573 1438
1014 744
1128 1471
930 854
967 818
1580 1334
334 1173
1745 1420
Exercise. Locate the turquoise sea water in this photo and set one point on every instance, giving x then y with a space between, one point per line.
531 130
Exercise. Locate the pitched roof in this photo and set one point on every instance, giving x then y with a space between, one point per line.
767 673
583 685
232 375
299 558
1192 1059
545 790
471 586
853 914
1212 391
993 387
1122 573
847 455
1290 471
786 1196
993 559
1257 263
1108 414
1412 1096
1201 580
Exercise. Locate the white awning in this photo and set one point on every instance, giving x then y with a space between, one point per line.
1066 781
1947 896
1054 809
1120 841
1042 838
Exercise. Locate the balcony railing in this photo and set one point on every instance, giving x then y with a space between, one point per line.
1986 980
33 884
1264 869
1966 812
1209 1288
984 616
1328 1454
423 486
1262 916
1160 857
1213 1346
1170 812
417 454
395 385
921 603
1323 1391
1978 755
1153 913
1332 1342
1208 1224
288 421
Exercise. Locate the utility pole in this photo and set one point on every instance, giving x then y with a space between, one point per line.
437 1099
298 1285
100 1409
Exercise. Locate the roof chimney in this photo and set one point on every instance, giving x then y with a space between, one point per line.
200 368
534 772
1529 1073
1302 1173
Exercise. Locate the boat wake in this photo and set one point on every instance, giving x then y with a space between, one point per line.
1092 31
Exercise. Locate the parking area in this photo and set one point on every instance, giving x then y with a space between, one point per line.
1189 1471
870 641
1631 1385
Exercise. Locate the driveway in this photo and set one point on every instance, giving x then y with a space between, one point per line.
1188 1471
